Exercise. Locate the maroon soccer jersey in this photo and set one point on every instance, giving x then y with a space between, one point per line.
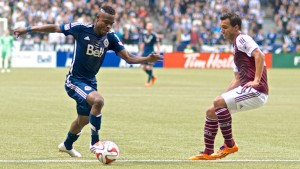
245 63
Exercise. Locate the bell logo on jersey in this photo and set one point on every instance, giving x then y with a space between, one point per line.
91 52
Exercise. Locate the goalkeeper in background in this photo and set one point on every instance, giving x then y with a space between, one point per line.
6 43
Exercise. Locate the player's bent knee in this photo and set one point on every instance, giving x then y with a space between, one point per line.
210 110
219 102
210 113
99 102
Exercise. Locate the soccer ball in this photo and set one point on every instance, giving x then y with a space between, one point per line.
107 152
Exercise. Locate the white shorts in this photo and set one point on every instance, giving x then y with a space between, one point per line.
238 100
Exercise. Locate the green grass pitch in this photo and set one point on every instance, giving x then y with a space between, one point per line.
156 127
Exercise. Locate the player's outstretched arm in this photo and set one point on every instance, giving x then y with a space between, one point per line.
48 28
132 59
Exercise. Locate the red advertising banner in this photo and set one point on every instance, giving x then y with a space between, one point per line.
203 60
268 60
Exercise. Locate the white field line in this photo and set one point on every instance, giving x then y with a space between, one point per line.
149 161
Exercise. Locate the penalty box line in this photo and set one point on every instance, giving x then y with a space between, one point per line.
150 161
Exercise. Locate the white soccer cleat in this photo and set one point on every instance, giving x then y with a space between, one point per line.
8 70
2 71
72 152
96 148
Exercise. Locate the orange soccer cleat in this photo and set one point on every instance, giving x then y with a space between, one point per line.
148 84
224 151
202 156
153 79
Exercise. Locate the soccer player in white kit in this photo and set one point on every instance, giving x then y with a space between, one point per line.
248 90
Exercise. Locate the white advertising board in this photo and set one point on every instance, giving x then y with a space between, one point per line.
34 59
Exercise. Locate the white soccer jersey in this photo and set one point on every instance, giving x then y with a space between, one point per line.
239 99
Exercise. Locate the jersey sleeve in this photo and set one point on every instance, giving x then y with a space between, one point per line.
246 44
114 42
71 29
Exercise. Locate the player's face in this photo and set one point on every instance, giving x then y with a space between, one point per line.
6 32
149 26
227 30
104 23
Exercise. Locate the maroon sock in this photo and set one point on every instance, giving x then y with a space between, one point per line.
210 132
224 118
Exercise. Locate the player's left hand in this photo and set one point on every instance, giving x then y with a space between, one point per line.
250 84
153 57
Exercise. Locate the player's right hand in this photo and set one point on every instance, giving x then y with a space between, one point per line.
20 31
153 57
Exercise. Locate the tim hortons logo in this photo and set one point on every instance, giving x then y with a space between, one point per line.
193 60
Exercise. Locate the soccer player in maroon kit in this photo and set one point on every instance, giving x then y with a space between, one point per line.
248 90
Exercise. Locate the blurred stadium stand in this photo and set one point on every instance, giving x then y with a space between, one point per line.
274 24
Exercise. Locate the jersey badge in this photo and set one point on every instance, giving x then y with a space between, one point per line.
87 88
106 43
67 27
247 46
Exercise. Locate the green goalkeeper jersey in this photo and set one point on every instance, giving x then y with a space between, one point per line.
6 43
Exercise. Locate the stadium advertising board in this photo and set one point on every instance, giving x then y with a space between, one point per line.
34 59
203 60
288 60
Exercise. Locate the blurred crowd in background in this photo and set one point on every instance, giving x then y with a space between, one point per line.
196 23
273 24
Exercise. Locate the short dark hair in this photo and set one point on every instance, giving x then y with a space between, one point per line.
108 9
233 18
